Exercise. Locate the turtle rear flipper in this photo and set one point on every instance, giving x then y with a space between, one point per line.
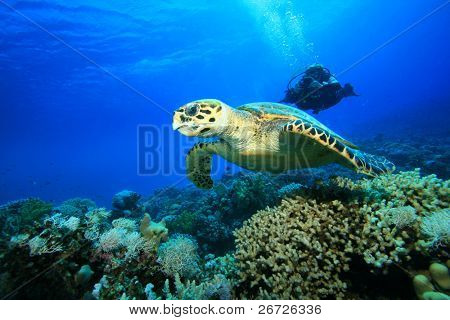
355 159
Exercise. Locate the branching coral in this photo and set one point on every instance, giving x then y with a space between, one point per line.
392 229
225 265
97 221
296 250
19 240
72 223
425 194
39 245
149 293
136 244
112 239
179 256
388 234
128 224
436 228
122 287
18 215
119 237
82 204
290 189
401 217
98 217
60 221
188 291
216 288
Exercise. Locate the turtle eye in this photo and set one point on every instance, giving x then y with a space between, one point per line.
192 110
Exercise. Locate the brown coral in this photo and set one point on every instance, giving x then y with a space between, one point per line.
296 250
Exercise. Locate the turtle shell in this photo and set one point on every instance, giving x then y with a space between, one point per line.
271 110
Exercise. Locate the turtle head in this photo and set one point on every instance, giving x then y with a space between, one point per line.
201 118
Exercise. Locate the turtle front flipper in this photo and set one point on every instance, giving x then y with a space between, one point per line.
360 161
198 163
369 164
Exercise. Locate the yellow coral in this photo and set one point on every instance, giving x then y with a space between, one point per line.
425 289
439 273
153 231
425 194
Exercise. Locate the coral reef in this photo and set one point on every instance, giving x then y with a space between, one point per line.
50 254
211 216
303 249
185 222
438 287
178 256
296 251
84 274
436 228
125 203
218 289
18 215
75 207
152 230
91 256
429 152
314 234
427 193
290 190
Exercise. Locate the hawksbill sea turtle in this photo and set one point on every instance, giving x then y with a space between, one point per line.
265 136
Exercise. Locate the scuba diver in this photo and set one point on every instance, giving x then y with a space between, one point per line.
318 90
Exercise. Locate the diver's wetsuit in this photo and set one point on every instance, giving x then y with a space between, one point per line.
317 90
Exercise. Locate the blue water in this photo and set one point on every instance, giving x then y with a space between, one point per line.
79 77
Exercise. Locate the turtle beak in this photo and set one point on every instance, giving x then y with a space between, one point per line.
176 121
183 128
176 126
